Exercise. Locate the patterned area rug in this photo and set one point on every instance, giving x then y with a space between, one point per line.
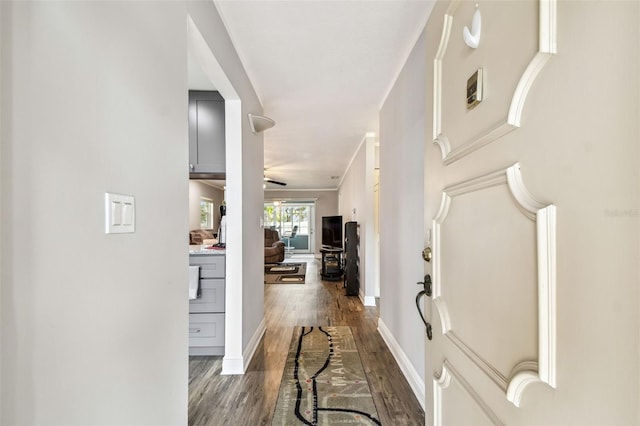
285 273
323 381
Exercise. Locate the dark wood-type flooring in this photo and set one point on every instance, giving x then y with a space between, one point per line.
251 399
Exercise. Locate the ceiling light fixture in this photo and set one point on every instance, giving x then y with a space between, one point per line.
260 123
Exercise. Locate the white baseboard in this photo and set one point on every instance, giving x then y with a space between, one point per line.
369 301
250 350
415 381
231 366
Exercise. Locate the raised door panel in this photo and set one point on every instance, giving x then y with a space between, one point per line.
488 277
510 64
457 402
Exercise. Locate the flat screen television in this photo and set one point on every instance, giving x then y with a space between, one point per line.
332 231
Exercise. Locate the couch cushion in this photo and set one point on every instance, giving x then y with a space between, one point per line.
197 236
270 237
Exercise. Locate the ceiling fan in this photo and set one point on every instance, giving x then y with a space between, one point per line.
269 180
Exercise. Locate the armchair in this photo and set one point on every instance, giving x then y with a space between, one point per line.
273 246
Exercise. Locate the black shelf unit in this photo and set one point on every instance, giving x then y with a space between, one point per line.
331 264
351 258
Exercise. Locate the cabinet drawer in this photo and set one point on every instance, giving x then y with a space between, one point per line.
206 330
210 266
211 297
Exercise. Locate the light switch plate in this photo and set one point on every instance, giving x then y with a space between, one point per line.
120 213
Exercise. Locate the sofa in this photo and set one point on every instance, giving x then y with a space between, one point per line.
202 236
273 246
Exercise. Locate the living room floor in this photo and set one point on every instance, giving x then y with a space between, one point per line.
250 399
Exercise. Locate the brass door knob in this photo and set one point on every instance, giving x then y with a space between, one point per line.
426 254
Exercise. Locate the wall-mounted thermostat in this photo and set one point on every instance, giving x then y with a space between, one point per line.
474 89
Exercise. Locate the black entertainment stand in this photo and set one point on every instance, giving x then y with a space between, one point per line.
331 264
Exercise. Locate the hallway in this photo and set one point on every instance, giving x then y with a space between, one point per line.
250 399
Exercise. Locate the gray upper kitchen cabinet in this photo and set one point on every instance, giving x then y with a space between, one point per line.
206 134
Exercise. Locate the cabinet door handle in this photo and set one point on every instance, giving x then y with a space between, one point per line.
191 167
194 330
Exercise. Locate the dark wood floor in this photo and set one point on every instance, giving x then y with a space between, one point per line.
250 399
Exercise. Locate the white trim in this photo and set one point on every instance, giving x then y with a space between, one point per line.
546 224
305 201
443 380
437 68
2 203
548 27
440 382
547 34
250 350
526 201
524 85
408 370
441 306
212 184
300 190
476 184
544 369
368 259
232 363
443 313
494 374
369 301
234 271
231 366
449 156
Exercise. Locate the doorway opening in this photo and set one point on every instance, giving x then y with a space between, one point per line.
204 58
294 221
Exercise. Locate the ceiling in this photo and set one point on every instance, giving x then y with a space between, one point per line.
322 69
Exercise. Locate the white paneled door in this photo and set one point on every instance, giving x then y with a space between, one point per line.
517 188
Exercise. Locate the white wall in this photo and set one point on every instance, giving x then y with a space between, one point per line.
351 190
199 190
353 207
94 326
1 198
402 136
326 205
356 203
245 162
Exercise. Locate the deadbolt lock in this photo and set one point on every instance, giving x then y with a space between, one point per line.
426 254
